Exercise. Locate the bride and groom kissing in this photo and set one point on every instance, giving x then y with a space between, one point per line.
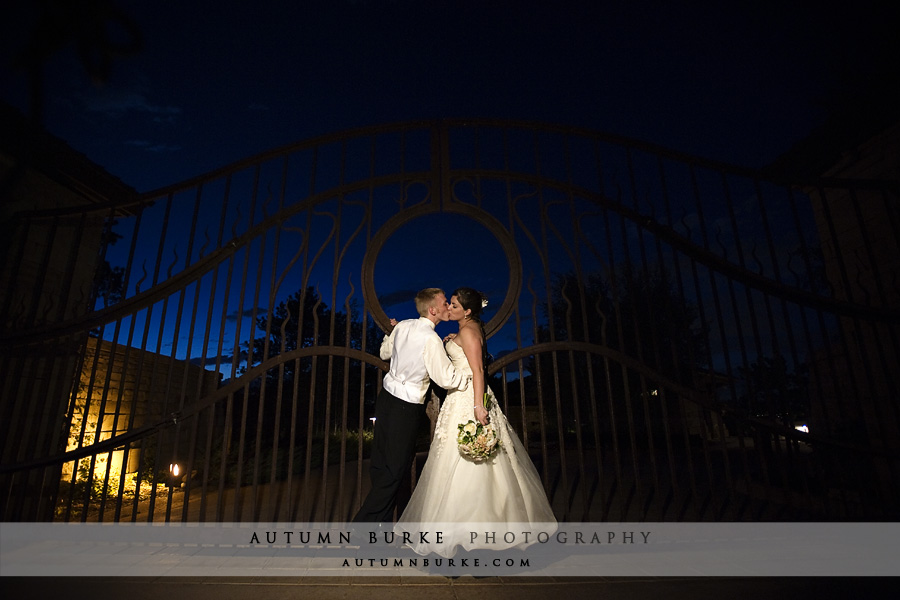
453 490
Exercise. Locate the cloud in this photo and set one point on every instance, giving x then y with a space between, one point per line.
224 360
115 103
149 146
246 314
398 297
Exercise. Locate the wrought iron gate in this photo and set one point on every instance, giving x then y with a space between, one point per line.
673 339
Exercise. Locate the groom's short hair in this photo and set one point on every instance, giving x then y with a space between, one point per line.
425 298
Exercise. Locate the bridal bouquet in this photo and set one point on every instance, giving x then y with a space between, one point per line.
477 442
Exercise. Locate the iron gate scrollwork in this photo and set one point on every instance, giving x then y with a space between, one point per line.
673 339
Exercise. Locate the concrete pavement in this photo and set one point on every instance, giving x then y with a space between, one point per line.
441 588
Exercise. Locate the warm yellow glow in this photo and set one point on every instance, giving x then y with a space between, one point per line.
89 429
108 402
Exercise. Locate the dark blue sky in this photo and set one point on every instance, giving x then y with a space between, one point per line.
218 81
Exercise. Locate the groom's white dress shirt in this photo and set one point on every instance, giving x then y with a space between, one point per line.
417 355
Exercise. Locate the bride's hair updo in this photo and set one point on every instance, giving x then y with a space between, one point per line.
471 299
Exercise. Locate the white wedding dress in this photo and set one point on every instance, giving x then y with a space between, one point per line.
459 497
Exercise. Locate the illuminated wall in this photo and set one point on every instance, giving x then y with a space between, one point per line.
123 388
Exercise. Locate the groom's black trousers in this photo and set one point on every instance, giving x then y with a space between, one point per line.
396 427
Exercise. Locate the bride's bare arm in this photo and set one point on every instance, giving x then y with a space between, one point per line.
470 341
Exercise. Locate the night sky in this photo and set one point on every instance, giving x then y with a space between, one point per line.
193 86
215 82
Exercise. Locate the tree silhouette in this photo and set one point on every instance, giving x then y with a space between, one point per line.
639 314
774 391
316 392
109 281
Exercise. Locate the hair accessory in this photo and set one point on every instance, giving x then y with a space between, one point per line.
484 302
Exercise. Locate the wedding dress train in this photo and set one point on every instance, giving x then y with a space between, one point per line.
459 497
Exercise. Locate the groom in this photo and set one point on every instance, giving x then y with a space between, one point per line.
417 355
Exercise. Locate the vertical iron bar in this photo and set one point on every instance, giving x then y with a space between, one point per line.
40 280
15 267
364 342
844 322
512 213
255 504
647 301
539 380
235 361
675 369
84 422
238 493
156 362
754 325
589 371
276 435
229 401
604 341
115 426
301 313
133 414
554 359
329 381
226 433
119 397
132 250
307 270
66 287
199 388
310 423
189 462
635 485
718 309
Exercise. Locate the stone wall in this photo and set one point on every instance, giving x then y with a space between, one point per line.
50 261
122 388
53 206
854 384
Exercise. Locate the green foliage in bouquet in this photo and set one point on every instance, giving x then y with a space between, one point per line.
477 442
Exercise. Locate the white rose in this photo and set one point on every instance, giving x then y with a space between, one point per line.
470 428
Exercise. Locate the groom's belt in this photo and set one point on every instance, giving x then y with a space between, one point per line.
409 390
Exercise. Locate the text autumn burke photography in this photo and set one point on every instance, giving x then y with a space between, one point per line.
356 538
388 549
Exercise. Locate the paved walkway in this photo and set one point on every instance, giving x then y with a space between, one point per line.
441 588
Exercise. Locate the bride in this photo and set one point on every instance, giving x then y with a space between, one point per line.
458 496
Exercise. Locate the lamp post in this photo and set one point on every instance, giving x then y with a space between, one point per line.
174 470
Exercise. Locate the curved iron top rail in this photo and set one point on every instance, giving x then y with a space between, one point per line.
884 314
146 198
172 419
